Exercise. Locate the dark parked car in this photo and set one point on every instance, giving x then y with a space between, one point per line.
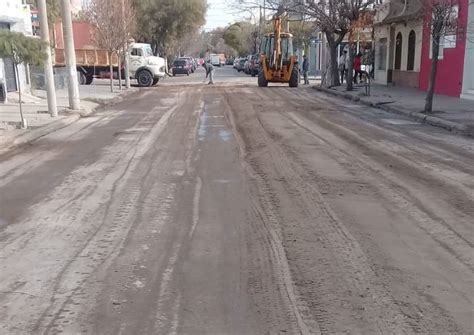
181 66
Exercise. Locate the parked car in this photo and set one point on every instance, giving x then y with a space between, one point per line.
181 66
229 61
241 65
191 62
254 65
236 62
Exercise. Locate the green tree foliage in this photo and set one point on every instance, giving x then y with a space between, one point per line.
242 36
21 49
165 22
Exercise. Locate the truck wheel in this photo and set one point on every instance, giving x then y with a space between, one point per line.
295 77
82 78
89 79
144 78
262 81
155 81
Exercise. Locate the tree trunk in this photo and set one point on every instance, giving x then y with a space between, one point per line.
333 73
111 74
434 68
120 73
350 69
23 124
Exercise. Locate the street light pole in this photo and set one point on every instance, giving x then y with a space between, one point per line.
73 87
48 65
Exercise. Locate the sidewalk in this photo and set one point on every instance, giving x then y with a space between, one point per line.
453 114
40 123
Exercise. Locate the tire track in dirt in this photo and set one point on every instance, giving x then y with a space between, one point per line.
260 146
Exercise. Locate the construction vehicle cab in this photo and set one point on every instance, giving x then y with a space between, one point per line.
277 60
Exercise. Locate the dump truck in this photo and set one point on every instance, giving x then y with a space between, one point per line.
146 68
93 62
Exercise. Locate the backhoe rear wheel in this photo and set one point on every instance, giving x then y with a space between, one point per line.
262 81
295 77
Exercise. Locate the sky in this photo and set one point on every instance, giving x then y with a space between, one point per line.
220 14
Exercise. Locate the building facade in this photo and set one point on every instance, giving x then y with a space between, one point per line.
398 34
468 75
14 16
451 60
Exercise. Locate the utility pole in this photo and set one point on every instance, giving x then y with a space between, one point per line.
125 54
73 83
48 65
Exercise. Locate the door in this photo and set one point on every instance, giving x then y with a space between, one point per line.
136 60
10 76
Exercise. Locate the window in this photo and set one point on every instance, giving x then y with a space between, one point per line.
398 51
382 54
136 52
148 52
411 51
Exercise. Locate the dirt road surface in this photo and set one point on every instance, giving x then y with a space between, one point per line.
229 209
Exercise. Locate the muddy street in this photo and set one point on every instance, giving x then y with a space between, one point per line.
233 209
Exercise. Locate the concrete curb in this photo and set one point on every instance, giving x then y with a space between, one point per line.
431 120
8 143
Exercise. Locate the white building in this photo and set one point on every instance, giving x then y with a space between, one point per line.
398 41
468 77
14 16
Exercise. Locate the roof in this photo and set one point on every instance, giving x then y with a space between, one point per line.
140 45
401 11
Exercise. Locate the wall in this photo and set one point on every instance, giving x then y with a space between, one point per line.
451 62
401 77
381 75
468 76
417 27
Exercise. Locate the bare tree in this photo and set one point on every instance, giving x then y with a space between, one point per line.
442 17
111 28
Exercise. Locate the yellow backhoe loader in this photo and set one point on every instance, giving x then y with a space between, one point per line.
278 64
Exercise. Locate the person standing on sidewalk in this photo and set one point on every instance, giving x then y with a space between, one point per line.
342 65
305 69
209 72
357 67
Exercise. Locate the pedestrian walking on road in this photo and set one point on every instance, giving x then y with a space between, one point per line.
209 72
342 66
305 69
357 67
